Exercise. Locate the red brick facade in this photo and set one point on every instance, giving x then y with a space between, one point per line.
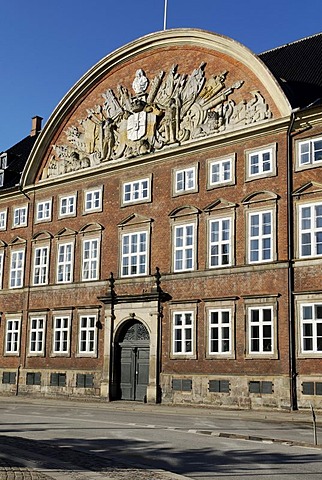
220 208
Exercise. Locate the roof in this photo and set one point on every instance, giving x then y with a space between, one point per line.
298 68
16 160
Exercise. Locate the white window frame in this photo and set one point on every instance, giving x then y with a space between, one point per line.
87 335
17 266
37 334
65 265
61 334
68 209
3 219
41 265
315 322
93 200
307 154
185 180
4 161
184 247
313 232
183 335
260 324
220 244
43 211
134 254
12 340
137 191
220 326
261 237
20 216
90 259
260 153
221 164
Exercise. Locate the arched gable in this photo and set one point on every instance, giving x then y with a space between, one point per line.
39 236
184 211
170 88
91 227
258 197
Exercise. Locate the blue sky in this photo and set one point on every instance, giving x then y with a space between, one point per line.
47 46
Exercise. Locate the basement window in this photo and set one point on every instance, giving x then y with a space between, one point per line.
182 384
219 386
33 378
9 378
58 379
84 380
312 388
261 387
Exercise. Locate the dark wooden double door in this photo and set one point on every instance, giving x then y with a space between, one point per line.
133 362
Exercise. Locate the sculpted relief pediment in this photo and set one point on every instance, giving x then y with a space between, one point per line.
169 109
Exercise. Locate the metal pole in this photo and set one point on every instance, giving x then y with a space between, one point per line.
315 439
165 15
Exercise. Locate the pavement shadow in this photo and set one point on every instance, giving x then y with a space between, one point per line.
101 455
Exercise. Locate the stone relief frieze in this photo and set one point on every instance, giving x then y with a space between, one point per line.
168 110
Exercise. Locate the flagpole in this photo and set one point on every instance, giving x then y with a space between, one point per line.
165 15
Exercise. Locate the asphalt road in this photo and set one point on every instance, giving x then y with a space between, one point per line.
95 441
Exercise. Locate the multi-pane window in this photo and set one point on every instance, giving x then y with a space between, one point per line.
220 242
185 180
260 163
37 335
310 223
13 336
310 151
65 263
87 334
260 237
84 380
41 261
58 379
4 161
17 268
61 334
43 211
220 331
183 332
260 324
134 254
33 378
220 172
3 220
1 268
311 328
183 247
93 200
20 217
136 191
67 206
90 266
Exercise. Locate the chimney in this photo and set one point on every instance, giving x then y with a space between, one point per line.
35 125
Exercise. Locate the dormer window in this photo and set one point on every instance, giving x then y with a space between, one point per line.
3 161
1 178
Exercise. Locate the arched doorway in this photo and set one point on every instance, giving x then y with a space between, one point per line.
132 358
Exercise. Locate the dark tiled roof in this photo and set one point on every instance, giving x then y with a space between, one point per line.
16 160
298 68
